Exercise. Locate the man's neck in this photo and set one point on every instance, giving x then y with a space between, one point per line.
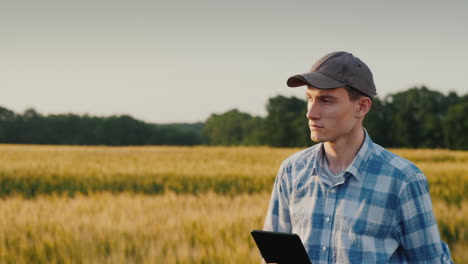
341 153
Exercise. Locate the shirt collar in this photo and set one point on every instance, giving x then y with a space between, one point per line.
359 161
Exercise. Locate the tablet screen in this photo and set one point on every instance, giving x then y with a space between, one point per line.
282 248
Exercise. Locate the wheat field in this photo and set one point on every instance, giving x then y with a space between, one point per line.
64 204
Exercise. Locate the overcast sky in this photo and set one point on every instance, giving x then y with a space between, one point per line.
182 60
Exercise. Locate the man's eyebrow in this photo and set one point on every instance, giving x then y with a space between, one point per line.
325 96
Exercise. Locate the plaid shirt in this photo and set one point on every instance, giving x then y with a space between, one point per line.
380 213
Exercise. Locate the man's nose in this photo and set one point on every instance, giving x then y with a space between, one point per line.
313 111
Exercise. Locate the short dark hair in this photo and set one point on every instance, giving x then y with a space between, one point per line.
353 93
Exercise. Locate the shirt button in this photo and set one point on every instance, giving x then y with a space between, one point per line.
324 248
327 219
332 191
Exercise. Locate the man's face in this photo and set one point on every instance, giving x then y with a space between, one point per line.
331 114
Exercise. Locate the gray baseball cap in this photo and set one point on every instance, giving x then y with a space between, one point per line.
337 69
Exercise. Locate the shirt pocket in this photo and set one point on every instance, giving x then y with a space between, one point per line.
307 206
368 217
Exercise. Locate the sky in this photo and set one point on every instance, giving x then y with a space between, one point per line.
183 60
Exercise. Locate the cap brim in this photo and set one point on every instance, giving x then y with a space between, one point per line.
315 79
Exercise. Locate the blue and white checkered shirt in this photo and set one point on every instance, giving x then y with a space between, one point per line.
381 213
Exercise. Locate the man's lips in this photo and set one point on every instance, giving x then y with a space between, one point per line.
313 126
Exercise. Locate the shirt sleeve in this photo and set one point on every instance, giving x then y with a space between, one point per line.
278 217
418 234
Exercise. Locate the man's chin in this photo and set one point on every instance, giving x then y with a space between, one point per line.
315 138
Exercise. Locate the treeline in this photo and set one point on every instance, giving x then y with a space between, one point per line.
32 127
415 118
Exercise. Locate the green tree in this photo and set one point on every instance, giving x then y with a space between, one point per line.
230 128
415 118
286 123
32 128
7 124
177 134
376 122
122 130
254 131
456 126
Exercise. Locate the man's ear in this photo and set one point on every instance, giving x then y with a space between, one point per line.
363 105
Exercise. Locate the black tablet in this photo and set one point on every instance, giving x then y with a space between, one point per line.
282 248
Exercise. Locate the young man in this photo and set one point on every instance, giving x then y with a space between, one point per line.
350 200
